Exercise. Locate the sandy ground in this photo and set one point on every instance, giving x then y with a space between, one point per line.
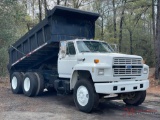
49 106
154 86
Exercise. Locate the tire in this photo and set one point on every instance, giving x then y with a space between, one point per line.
40 87
30 84
16 82
137 99
87 98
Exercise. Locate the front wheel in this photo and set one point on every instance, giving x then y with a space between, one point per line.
85 97
136 98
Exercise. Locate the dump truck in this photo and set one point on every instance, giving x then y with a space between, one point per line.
60 54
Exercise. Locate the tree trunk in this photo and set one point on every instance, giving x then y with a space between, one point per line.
114 19
65 3
130 36
40 10
45 7
157 42
102 29
33 9
25 3
153 21
153 28
58 2
74 3
28 27
121 26
77 3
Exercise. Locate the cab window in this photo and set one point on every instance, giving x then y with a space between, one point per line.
70 48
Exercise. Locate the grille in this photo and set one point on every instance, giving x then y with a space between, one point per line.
127 66
127 61
127 72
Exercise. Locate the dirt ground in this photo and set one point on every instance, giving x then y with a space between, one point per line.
49 106
154 86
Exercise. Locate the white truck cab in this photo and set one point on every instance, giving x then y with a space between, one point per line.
95 62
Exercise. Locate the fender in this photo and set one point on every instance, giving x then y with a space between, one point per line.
88 67
83 67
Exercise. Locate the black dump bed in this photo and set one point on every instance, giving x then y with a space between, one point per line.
41 44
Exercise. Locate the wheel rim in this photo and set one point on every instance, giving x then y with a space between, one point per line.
82 95
26 84
14 82
131 95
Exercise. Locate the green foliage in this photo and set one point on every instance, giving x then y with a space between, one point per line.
12 26
137 21
15 22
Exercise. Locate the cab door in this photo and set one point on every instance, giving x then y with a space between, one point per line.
67 62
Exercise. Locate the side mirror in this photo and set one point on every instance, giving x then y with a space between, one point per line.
63 49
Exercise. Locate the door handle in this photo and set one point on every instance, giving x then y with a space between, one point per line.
81 59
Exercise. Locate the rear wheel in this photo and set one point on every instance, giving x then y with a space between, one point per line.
30 84
16 82
85 97
136 98
40 87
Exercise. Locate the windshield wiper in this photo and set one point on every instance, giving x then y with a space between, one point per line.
85 51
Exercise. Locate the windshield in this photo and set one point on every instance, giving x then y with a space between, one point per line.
93 46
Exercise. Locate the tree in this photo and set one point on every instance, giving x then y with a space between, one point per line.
12 26
45 7
40 10
101 7
157 43
114 19
136 12
153 21
33 8
77 3
121 24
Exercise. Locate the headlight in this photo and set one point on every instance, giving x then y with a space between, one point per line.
101 72
145 70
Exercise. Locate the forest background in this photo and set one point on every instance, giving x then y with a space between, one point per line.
130 25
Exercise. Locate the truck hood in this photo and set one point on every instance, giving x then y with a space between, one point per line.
120 55
103 57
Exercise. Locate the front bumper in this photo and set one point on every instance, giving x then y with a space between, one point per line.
121 87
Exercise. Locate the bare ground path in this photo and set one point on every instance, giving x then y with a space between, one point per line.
49 106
